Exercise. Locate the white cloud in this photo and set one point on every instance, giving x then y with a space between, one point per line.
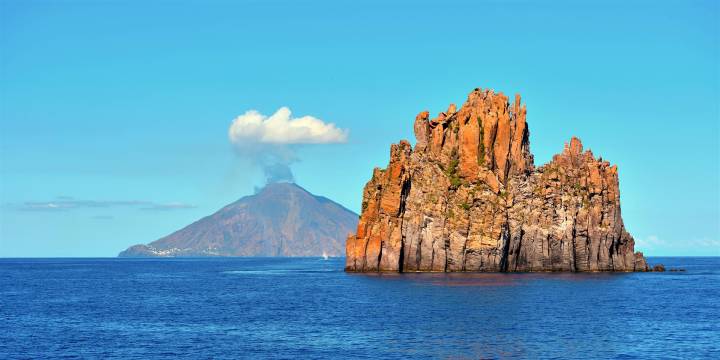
281 128
168 206
655 244
706 242
649 243
66 203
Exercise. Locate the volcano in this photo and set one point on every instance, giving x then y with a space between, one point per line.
282 219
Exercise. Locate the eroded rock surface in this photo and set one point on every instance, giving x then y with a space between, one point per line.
469 198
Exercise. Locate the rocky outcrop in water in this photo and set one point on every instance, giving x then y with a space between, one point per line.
468 197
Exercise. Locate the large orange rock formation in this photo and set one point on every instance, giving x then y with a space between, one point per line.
469 198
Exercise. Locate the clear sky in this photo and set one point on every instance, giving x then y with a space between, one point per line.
114 115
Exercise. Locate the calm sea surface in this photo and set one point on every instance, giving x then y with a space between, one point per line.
309 308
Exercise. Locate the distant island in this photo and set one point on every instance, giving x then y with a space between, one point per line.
282 219
468 197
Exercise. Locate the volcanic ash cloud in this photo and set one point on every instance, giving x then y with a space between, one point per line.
271 142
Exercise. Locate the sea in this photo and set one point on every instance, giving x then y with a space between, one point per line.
309 308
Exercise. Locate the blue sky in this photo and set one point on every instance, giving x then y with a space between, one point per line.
118 111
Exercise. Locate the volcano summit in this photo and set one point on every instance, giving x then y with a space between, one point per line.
282 219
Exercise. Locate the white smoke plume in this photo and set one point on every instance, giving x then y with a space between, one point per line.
271 142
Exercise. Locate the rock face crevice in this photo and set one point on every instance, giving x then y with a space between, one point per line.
468 197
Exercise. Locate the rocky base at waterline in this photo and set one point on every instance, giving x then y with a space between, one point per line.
468 197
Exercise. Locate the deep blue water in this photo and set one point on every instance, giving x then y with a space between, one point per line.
309 308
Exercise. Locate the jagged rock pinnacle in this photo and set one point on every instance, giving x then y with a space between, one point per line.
468 197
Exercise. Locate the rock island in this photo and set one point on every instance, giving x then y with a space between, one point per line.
468 197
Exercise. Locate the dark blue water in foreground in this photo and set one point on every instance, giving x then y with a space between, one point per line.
309 308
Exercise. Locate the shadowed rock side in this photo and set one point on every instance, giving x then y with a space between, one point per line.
469 198
282 219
